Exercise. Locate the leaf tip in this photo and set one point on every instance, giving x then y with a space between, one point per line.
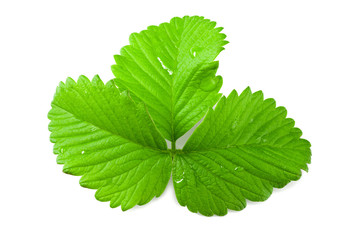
69 82
233 94
97 81
83 80
115 69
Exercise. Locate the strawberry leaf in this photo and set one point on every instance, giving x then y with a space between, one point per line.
113 134
242 149
109 140
171 69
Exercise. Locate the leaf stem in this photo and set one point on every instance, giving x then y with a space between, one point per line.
173 146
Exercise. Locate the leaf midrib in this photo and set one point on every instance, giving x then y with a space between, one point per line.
235 146
102 129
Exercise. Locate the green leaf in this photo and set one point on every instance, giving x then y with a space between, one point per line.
109 140
113 135
242 149
171 69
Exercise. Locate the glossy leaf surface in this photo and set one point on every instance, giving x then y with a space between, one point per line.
171 69
113 135
242 149
109 140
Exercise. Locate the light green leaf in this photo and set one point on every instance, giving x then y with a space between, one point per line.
171 69
113 135
109 140
242 149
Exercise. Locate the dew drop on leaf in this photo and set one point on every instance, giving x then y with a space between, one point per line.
238 169
209 85
194 51
234 125
179 181
180 178
164 67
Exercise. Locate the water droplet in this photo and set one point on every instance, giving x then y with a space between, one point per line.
82 152
238 169
62 150
261 139
211 84
194 51
179 181
234 125
164 67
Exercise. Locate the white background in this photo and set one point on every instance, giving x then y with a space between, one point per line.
305 54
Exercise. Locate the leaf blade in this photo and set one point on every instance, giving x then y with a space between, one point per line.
170 68
242 150
109 140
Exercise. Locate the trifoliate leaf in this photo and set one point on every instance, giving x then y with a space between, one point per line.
242 149
171 69
113 135
109 140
